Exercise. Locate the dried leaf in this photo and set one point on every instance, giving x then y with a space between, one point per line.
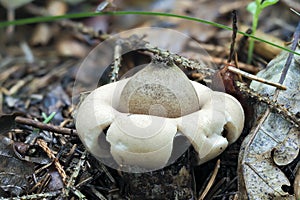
288 150
13 171
7 122
259 178
276 141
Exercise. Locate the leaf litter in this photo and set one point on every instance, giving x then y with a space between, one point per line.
274 140
13 171
85 177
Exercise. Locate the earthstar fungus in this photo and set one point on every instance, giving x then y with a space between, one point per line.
143 113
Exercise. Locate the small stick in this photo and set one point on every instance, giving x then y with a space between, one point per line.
43 126
211 181
35 196
242 66
117 63
291 55
274 106
50 154
234 32
293 10
70 184
255 78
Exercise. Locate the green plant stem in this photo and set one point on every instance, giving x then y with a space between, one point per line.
49 118
251 41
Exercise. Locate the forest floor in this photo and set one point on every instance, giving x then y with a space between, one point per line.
45 66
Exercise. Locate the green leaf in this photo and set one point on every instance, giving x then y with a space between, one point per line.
252 7
49 118
267 3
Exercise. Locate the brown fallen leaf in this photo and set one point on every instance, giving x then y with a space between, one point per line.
273 142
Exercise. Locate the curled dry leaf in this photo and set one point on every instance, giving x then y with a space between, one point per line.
276 141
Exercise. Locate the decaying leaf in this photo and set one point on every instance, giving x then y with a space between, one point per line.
7 122
276 141
288 150
13 171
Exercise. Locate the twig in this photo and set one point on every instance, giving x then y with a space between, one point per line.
34 196
291 55
242 66
211 181
50 154
43 183
180 60
214 191
293 10
97 193
274 106
234 32
71 181
43 126
117 63
255 78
